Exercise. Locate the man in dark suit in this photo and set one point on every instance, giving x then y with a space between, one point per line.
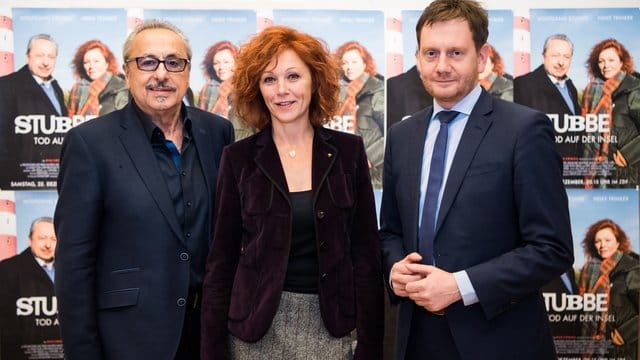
474 217
28 97
133 217
28 316
405 96
549 89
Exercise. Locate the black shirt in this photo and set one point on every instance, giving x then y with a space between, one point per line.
187 189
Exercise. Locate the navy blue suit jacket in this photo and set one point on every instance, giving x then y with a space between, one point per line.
121 268
503 218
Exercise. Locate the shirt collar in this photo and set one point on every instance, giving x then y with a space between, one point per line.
150 128
464 106
41 82
557 81
42 263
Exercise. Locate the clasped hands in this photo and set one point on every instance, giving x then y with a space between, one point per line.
428 286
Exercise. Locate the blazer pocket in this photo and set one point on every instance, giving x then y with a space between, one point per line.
481 169
341 190
118 298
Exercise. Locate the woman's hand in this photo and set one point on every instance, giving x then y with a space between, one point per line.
619 159
616 338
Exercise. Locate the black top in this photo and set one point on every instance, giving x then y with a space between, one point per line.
302 270
187 188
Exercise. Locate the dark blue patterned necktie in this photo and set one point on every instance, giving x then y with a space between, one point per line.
426 233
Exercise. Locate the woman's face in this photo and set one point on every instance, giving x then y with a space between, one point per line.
609 63
285 86
488 69
606 243
223 64
352 64
95 65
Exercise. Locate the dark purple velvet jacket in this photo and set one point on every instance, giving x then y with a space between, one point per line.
248 261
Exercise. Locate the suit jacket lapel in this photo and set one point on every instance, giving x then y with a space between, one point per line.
208 163
415 154
475 130
137 146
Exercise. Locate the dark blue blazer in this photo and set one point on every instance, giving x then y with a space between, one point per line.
122 264
503 218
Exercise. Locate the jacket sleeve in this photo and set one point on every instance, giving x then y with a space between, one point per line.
391 233
221 264
631 150
365 254
77 218
540 203
629 329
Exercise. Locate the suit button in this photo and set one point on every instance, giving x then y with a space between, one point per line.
181 302
184 256
188 235
323 276
320 214
323 244
183 173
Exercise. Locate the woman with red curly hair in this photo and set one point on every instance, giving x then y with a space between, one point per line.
362 102
493 78
295 263
613 95
99 88
611 270
215 96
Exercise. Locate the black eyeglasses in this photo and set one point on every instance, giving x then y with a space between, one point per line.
148 63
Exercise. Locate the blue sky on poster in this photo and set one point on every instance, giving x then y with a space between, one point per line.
336 27
585 28
500 36
588 206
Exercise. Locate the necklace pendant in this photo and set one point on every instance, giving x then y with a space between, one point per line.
292 153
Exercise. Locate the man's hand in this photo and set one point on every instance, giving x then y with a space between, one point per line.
401 275
435 291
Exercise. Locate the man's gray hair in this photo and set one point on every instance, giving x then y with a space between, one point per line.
41 37
556 37
153 24
44 219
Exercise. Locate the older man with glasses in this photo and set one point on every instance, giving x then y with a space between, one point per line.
133 217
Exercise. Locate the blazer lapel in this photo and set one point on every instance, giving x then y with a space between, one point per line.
268 161
137 146
324 156
475 130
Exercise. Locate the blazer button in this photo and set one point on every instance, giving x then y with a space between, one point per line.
323 244
181 302
323 276
320 214
184 256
